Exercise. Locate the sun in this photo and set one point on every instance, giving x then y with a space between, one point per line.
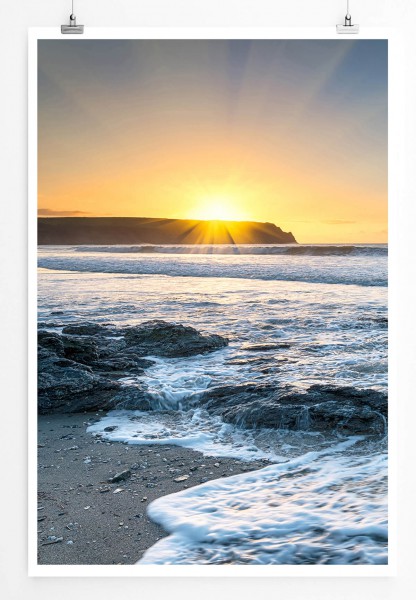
217 208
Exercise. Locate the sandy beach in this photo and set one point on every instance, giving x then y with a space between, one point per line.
83 518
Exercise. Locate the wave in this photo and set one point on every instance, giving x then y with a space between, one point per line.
246 249
369 271
320 508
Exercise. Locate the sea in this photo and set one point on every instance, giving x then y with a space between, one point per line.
320 498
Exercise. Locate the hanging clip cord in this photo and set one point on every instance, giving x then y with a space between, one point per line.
72 27
348 27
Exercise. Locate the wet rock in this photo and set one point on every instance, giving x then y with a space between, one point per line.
86 329
134 398
80 349
159 338
49 324
78 370
68 386
320 408
49 361
50 342
265 347
68 389
123 364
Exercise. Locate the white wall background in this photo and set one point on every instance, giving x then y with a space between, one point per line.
16 17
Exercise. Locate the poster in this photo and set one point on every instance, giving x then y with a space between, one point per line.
212 305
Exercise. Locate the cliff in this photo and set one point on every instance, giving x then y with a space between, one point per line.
132 230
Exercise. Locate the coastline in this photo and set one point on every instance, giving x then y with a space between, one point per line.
78 504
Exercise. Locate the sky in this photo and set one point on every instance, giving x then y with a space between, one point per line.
292 132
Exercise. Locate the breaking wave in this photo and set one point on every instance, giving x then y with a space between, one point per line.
285 250
350 265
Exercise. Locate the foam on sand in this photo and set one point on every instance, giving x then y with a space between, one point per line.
321 508
193 429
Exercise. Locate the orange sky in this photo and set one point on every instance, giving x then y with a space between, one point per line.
292 132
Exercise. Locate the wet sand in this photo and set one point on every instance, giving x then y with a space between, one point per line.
83 519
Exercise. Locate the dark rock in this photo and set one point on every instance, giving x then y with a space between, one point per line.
50 325
109 347
122 476
86 329
123 363
159 338
77 370
265 347
320 408
51 342
134 398
65 385
73 389
65 362
111 428
81 349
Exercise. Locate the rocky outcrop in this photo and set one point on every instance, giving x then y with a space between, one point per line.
134 230
158 338
80 368
319 408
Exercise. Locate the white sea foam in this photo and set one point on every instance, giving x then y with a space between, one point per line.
197 430
320 508
174 383
193 429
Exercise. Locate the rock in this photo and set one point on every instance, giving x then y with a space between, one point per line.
159 338
50 324
74 390
53 540
86 329
51 342
80 349
123 364
134 398
181 478
66 385
265 347
120 476
320 408
111 428
78 370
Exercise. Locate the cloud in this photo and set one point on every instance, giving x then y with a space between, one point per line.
338 222
48 212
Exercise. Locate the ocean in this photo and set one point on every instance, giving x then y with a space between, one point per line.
295 316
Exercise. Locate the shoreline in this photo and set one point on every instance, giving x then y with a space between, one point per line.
83 519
